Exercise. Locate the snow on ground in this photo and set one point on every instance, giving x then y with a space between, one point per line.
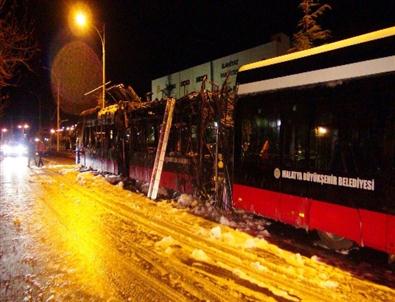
79 238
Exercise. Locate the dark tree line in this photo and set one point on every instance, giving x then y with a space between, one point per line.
17 45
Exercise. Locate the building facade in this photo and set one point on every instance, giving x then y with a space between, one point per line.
188 80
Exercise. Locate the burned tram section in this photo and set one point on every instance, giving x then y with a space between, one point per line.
123 138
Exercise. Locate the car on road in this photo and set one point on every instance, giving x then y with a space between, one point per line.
13 148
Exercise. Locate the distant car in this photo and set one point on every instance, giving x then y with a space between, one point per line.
13 149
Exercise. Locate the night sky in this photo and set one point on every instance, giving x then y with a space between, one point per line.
148 39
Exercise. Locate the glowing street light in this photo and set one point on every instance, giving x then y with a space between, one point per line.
81 17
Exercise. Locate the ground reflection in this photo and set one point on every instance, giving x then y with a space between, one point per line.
14 169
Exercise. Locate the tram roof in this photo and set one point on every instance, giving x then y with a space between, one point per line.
375 35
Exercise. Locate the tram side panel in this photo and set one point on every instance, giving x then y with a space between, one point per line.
321 157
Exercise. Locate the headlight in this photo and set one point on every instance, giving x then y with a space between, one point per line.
17 150
20 150
6 149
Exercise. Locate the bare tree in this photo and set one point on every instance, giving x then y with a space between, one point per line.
17 46
310 32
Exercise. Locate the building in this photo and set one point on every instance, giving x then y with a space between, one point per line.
185 81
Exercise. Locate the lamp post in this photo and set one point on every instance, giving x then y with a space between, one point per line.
82 21
23 128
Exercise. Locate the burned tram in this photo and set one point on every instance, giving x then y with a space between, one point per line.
123 138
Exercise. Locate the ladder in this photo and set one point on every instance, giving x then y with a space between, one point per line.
161 149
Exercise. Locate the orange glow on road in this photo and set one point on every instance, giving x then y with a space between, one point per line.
98 242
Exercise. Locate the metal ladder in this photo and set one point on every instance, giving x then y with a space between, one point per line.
161 149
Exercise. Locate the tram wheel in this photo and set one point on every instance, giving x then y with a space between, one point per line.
335 242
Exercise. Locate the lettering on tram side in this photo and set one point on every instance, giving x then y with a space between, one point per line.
324 179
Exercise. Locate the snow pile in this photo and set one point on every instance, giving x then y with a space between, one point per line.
216 232
315 258
223 220
185 200
88 179
143 188
113 179
259 267
296 260
200 255
81 179
329 284
229 238
250 243
165 242
240 220
64 171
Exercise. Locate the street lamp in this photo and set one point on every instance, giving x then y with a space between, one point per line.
82 20
23 128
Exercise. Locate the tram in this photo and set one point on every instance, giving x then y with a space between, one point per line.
122 138
315 140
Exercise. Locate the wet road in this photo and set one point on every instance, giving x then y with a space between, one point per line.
69 236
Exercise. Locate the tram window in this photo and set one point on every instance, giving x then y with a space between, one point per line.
347 134
259 142
210 134
192 140
260 135
295 134
182 140
178 140
86 137
324 141
138 138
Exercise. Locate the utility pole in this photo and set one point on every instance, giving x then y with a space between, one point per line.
58 120
39 116
103 44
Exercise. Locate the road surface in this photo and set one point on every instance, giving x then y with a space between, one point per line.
71 236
